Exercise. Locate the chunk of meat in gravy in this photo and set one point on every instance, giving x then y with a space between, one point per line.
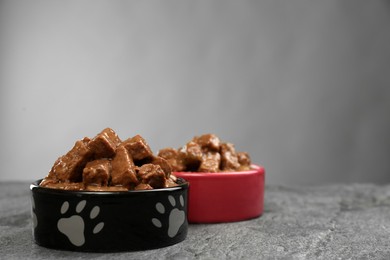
152 174
123 169
229 160
163 164
210 162
191 154
97 172
104 144
209 142
244 160
170 182
70 166
138 148
171 155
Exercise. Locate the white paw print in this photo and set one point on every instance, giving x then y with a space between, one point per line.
73 227
176 216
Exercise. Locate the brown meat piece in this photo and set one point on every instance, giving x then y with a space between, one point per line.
244 160
171 155
211 162
70 166
123 169
208 142
191 154
97 172
152 174
157 160
170 183
138 148
229 160
173 178
104 144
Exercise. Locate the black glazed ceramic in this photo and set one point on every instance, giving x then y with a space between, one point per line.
109 221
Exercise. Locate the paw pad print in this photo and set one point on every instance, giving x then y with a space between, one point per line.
73 227
176 217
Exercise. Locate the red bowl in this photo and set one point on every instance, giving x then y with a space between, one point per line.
225 196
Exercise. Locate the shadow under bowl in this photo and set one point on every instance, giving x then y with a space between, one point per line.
225 196
109 221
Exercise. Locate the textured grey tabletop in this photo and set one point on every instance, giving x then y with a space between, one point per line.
323 222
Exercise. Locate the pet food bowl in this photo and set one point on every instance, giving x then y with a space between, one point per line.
225 196
109 221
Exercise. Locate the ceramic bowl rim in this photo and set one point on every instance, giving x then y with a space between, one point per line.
212 175
34 186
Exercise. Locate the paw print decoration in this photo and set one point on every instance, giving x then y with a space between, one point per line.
73 226
75 221
109 221
176 217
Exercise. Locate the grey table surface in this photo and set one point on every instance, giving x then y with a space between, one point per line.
323 222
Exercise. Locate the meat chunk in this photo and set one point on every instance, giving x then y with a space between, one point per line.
123 169
138 148
244 160
191 154
152 174
104 144
210 162
163 164
229 160
171 155
70 166
171 182
209 142
97 172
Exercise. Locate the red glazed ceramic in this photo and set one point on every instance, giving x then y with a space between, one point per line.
225 196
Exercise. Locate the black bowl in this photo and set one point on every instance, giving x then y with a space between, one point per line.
109 221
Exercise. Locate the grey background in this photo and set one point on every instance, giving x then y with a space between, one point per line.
303 86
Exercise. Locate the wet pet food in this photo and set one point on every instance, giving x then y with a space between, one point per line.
206 153
105 163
